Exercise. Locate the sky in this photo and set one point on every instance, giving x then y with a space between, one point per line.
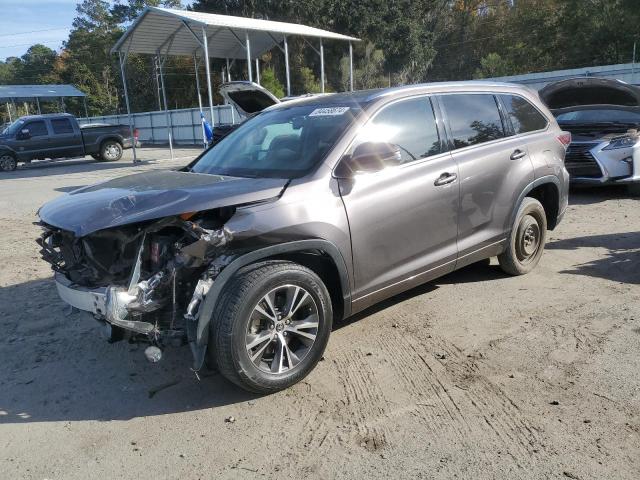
26 22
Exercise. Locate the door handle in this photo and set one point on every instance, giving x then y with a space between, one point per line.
445 179
518 154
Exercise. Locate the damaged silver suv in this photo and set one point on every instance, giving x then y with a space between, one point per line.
309 212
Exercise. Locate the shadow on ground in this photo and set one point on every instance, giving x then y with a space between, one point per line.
590 195
619 263
58 368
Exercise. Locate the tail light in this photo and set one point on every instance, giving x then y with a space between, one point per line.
565 139
136 134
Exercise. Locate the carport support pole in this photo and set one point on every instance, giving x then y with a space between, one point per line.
204 135
166 105
228 72
321 66
9 112
351 65
257 71
286 65
38 105
126 100
86 110
205 44
248 48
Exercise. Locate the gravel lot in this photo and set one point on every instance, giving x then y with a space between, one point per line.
476 375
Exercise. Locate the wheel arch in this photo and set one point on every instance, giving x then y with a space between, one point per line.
547 191
320 256
107 138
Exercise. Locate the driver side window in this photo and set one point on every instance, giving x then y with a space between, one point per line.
409 124
36 129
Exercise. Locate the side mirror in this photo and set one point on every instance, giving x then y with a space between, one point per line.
24 134
371 157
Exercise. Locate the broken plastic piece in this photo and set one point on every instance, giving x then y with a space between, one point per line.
153 354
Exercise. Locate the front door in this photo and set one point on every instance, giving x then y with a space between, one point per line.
403 219
37 145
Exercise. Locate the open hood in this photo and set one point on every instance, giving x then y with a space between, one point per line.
578 93
153 195
249 98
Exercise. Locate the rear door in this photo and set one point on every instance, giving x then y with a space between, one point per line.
66 141
403 219
494 168
37 145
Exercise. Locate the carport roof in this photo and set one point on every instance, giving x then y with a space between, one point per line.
179 32
29 92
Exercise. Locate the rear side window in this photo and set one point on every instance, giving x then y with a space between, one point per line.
524 116
61 126
474 119
409 124
37 129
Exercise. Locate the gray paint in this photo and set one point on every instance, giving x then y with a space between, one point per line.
393 229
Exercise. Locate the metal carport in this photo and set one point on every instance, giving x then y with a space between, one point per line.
27 93
163 32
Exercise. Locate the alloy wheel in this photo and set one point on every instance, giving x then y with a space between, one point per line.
282 329
112 151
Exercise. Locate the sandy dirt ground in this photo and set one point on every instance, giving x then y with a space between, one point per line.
476 375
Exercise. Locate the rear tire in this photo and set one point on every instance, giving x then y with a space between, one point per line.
527 240
110 151
271 326
8 163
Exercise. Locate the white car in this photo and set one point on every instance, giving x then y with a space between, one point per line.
603 117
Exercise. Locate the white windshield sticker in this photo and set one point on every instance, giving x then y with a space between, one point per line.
328 111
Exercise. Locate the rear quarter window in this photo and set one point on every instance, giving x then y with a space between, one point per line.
524 116
473 118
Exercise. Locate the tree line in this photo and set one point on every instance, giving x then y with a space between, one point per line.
403 41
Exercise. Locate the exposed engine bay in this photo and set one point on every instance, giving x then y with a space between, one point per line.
147 280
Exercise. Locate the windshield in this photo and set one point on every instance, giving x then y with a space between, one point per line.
282 143
14 127
599 116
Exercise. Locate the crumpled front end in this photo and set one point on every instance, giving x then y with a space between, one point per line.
146 282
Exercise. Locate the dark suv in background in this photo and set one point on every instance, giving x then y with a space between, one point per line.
310 212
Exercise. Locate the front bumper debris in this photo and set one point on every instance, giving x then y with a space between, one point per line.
107 303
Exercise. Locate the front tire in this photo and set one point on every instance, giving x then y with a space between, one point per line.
271 326
110 151
527 240
8 163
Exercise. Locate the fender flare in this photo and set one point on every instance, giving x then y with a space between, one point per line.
536 183
202 332
109 136
5 149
